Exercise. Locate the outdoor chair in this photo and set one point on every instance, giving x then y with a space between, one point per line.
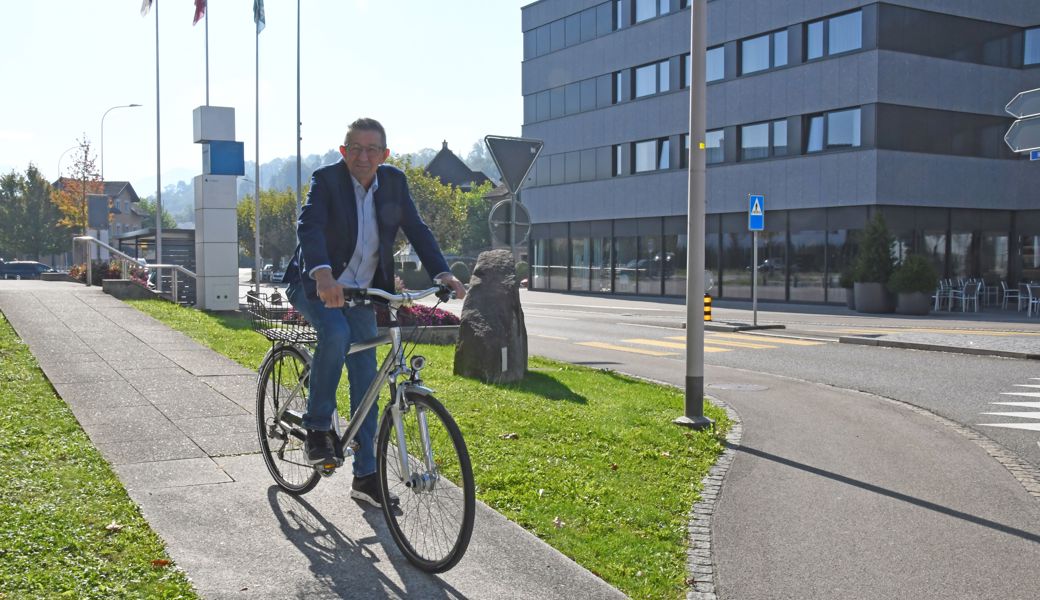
969 294
1008 293
942 295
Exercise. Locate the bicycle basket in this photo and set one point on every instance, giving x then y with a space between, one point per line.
276 319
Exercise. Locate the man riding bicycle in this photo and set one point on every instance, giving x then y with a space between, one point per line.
346 232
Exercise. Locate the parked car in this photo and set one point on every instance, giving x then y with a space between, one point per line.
23 269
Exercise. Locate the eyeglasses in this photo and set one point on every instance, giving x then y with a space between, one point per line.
372 151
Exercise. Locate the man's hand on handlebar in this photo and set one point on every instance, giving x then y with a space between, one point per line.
329 290
455 285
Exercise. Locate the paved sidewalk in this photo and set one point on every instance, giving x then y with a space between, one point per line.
175 420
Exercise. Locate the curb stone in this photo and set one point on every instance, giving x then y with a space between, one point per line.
700 565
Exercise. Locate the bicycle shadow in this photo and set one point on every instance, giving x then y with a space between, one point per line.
347 568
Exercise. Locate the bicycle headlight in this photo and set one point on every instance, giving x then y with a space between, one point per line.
418 362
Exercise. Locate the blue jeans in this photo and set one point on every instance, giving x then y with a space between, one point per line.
337 328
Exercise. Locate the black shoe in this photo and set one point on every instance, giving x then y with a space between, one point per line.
367 488
319 448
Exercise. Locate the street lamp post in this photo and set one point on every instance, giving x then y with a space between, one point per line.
103 135
67 150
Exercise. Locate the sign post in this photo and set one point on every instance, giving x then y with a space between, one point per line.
514 158
756 222
1024 134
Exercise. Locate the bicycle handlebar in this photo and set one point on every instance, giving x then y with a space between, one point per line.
443 292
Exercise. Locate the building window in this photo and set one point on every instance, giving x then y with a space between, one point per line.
684 156
663 153
645 9
644 156
763 52
842 33
714 146
843 129
618 96
650 79
780 49
754 141
754 54
716 65
814 40
1032 47
780 137
833 130
663 80
616 167
573 29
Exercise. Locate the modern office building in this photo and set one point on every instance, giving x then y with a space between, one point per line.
831 109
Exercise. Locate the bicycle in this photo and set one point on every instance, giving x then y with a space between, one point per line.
420 453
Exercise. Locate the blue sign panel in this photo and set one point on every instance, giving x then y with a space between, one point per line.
1034 155
756 220
223 158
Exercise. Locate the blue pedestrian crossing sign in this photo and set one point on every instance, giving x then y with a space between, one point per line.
756 219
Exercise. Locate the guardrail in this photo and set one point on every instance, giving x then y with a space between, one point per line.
127 262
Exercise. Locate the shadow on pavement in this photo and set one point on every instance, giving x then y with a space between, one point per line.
345 567
1026 535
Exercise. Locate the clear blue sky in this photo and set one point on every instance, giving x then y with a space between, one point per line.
430 70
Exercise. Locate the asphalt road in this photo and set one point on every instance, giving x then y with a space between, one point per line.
646 339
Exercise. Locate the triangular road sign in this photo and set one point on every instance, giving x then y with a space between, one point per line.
514 158
756 210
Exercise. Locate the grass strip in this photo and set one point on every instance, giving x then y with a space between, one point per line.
587 460
68 530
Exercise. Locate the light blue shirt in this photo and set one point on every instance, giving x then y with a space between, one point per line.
363 263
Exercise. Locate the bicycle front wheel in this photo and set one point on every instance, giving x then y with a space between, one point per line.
281 401
434 521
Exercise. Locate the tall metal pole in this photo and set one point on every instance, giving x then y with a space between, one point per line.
158 163
256 180
512 224
299 167
206 18
754 281
694 405
103 135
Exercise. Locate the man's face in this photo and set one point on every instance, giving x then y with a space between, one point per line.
365 150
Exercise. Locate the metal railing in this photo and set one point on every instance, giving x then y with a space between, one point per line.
127 262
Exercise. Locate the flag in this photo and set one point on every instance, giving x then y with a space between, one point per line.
200 10
146 5
258 15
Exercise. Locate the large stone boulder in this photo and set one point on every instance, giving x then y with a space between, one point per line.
492 342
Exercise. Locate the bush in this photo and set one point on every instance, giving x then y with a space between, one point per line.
874 262
107 270
460 271
522 270
417 314
914 274
846 280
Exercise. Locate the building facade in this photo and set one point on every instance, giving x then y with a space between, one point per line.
831 109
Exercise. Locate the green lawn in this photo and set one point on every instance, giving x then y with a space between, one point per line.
67 527
587 460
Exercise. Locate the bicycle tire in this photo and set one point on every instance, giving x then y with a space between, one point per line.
285 369
433 541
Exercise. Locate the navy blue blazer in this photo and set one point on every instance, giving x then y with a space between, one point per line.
328 227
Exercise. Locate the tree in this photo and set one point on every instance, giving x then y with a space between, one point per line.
70 195
29 221
479 159
874 263
277 224
147 206
473 212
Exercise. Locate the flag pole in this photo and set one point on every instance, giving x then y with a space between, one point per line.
299 168
206 17
256 176
158 162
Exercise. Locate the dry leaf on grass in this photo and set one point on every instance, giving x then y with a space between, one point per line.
114 527
509 436
557 523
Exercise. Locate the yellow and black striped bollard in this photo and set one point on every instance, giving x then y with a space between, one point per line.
707 307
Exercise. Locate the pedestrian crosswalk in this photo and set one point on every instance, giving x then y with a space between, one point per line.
713 342
1031 418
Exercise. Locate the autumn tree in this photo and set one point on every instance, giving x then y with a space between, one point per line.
277 224
29 221
70 194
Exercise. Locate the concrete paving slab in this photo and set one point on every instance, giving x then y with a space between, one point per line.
218 425
240 389
228 444
101 395
186 404
148 425
181 473
203 362
151 450
86 372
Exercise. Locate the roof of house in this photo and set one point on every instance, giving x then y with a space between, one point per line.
112 189
450 169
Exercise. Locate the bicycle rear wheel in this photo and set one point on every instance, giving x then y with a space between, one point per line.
434 521
283 383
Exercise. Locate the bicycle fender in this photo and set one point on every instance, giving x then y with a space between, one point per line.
415 389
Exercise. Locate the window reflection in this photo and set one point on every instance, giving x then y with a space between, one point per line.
580 264
714 146
625 264
846 33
